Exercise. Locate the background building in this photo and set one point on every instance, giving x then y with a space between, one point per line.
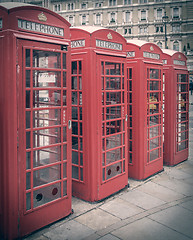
168 23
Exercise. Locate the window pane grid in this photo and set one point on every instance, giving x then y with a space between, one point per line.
77 125
44 131
113 154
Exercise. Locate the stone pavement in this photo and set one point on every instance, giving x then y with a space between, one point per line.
160 207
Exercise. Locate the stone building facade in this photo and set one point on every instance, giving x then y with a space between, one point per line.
168 23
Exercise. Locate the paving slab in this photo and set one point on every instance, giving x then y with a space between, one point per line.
178 186
178 173
97 219
109 237
121 208
71 230
188 205
176 218
141 199
160 192
147 229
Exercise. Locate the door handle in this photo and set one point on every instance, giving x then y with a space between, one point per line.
69 124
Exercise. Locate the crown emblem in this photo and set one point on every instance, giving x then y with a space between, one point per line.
151 48
179 56
42 17
109 36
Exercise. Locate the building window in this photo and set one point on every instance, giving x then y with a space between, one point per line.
176 12
159 14
71 20
159 44
112 18
127 2
83 5
57 7
176 46
142 30
143 1
98 4
159 0
98 18
176 28
70 6
143 15
127 31
127 17
83 19
159 29
112 2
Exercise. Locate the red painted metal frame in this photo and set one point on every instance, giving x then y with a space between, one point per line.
144 117
15 221
174 66
91 186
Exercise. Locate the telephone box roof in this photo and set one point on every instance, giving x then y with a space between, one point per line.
169 51
89 29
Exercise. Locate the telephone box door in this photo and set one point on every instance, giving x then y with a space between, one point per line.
113 109
43 135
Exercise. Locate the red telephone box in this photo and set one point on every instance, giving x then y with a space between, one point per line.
99 160
144 79
35 141
176 107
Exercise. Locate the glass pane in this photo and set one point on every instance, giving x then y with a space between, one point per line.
154 74
113 112
113 170
154 155
154 131
64 79
46 156
64 152
182 78
64 134
113 98
113 141
75 128
182 117
80 83
64 60
64 188
113 127
27 57
28 99
74 98
153 143
74 82
28 201
154 120
46 59
182 87
46 98
64 170
75 157
112 68
28 140
113 83
182 145
46 79
28 115
75 143
74 67
46 137
28 160
80 67
46 194
154 85
74 113
27 78
75 173
81 159
46 175
182 127
46 118
28 180
113 155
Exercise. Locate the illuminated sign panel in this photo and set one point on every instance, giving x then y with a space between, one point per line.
178 62
40 28
109 45
78 43
1 23
151 55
